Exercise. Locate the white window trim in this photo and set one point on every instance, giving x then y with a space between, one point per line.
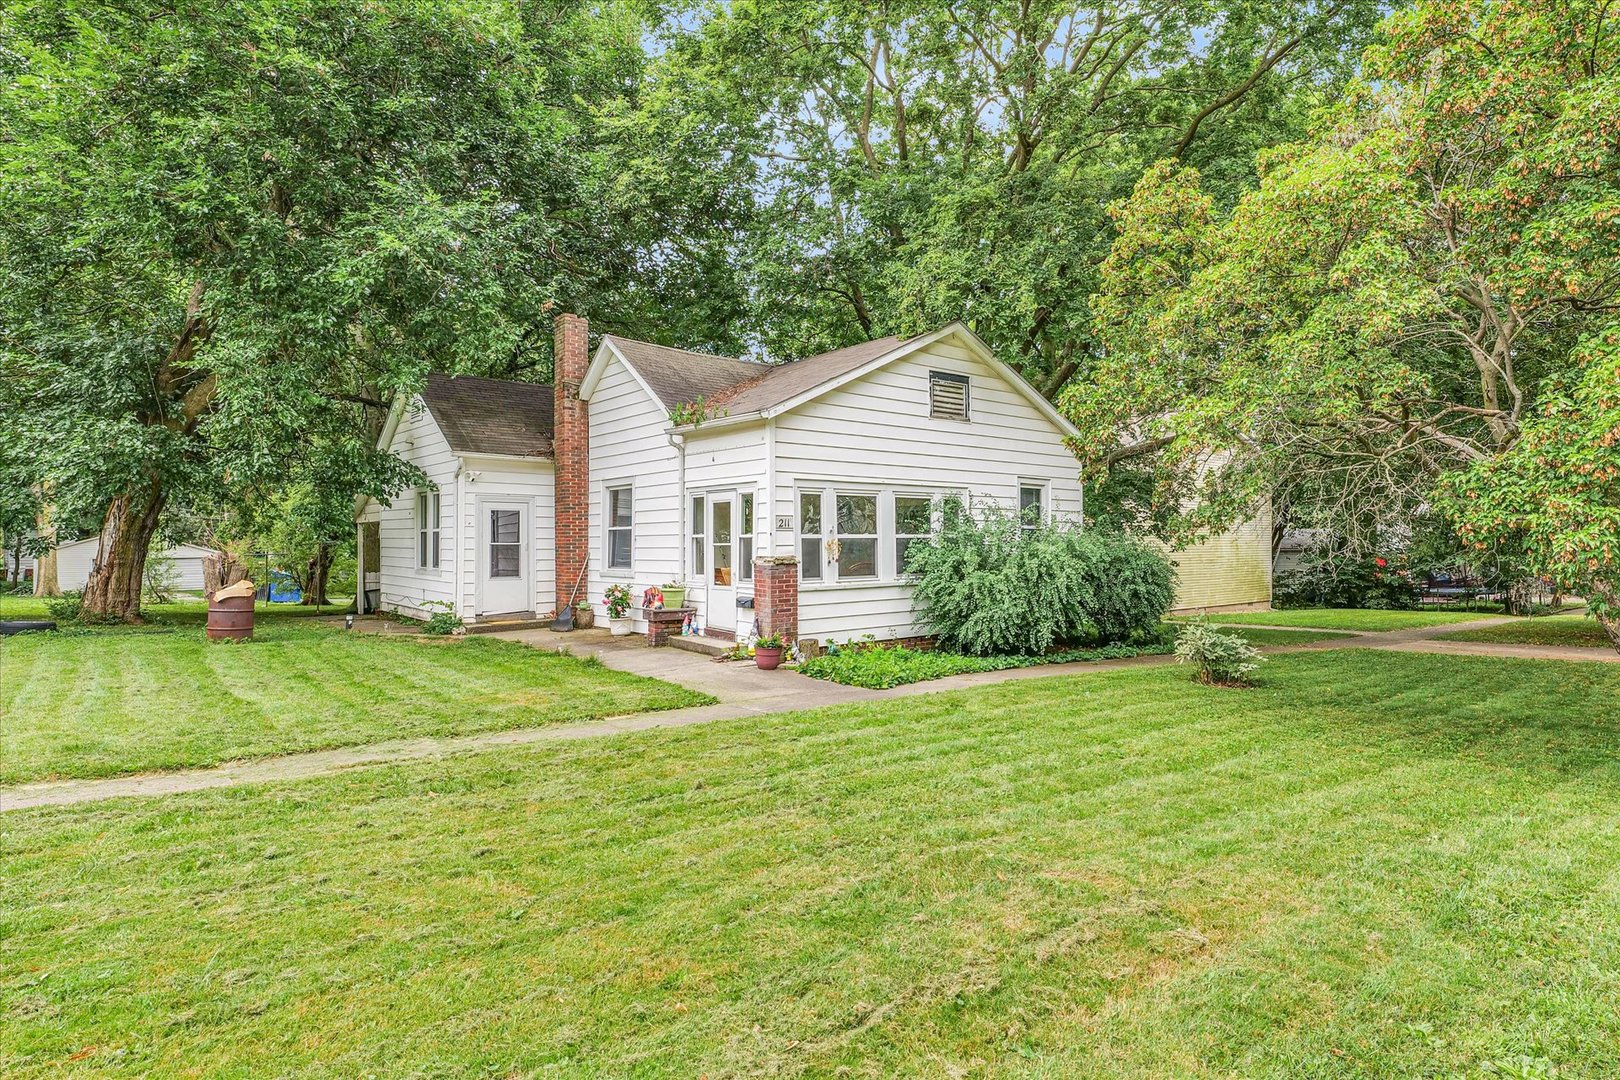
429 510
886 557
1045 488
697 558
820 537
608 528
876 495
935 499
967 395
744 528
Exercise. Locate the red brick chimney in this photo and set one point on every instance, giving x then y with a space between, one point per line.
571 447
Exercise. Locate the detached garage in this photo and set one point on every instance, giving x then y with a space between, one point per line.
75 560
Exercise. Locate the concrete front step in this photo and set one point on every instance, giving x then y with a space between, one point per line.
502 623
707 646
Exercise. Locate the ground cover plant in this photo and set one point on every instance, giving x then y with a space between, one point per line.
879 668
1372 865
105 701
1580 631
1218 658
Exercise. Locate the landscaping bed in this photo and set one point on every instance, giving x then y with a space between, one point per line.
879 667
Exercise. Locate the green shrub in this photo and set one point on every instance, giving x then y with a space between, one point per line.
990 585
67 607
1221 659
444 619
878 668
1326 579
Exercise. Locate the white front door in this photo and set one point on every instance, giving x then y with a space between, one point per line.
722 562
504 573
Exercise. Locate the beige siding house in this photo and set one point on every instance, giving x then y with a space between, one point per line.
647 465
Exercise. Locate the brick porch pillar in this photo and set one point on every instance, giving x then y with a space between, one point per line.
776 595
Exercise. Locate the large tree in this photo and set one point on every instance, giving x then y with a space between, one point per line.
226 225
923 161
1393 301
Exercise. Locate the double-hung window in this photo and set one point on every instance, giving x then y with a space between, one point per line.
810 535
856 523
699 508
745 537
1031 505
620 526
427 530
913 520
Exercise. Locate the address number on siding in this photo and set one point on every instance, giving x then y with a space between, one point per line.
784 521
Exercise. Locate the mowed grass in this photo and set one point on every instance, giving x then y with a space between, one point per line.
1580 631
1262 635
123 700
1374 865
1349 618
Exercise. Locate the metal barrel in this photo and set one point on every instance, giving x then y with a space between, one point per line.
230 619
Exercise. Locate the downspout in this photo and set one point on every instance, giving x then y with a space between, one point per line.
770 485
678 441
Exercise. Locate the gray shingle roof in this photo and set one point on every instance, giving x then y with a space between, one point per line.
733 386
680 376
491 416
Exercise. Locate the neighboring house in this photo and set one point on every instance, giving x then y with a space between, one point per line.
75 560
783 492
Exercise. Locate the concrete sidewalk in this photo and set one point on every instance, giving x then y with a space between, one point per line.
740 688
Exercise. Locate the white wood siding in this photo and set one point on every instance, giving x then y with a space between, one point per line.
727 459
876 434
75 559
630 445
533 483
405 587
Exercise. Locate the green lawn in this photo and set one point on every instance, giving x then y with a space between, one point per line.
1374 865
117 700
1577 630
1259 635
1350 618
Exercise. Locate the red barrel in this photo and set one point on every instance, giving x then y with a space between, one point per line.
230 618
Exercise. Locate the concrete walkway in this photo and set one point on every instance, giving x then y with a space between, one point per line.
740 690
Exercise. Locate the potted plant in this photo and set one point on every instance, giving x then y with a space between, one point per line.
617 601
674 594
768 652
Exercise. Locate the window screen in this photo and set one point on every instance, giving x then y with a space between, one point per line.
620 515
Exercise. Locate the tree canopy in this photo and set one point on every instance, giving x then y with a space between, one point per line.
1395 299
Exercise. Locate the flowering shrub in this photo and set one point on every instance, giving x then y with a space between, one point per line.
616 598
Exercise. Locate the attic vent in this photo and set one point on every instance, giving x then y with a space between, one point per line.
947 395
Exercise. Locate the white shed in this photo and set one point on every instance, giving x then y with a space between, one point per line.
75 559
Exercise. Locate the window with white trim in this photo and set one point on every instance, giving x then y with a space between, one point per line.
947 395
913 520
699 506
856 530
810 538
427 530
745 538
1031 504
620 526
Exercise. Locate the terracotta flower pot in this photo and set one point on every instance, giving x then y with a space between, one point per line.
768 659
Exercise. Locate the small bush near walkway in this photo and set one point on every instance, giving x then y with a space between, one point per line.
1220 659
991 584
879 668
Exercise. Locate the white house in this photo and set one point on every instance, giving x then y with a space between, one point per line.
76 558
783 493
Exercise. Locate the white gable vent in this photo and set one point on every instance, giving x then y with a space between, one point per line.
947 395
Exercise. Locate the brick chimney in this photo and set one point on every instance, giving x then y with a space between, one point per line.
571 445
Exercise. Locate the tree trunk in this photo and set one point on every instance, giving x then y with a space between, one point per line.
1607 595
45 580
222 569
113 592
320 568
1520 597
